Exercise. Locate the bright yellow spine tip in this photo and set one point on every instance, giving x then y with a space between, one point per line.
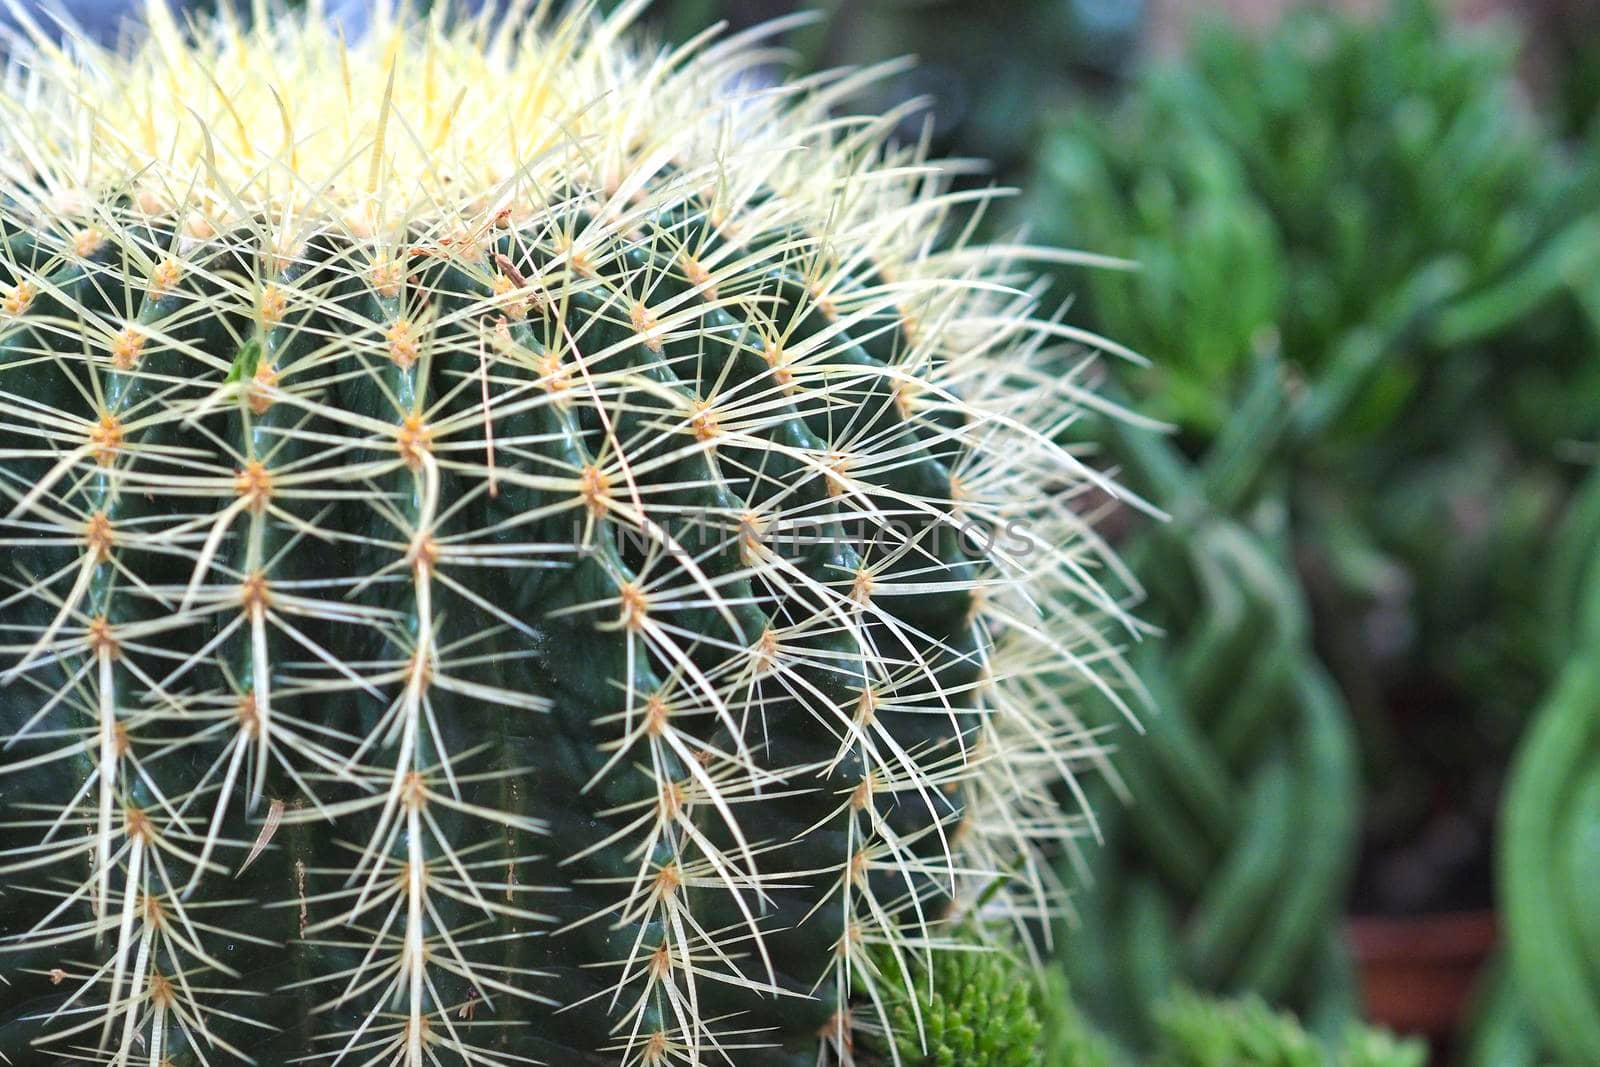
100 637
553 373
98 536
413 440
704 422
656 714
766 651
905 399
248 714
635 606
259 390
838 475
425 552
698 276
778 360
752 536
254 593
105 438
513 305
866 707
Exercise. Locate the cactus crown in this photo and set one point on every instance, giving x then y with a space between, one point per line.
520 546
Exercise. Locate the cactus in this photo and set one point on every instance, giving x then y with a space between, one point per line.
519 546
978 1005
1546 992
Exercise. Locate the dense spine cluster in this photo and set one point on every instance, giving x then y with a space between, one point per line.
517 546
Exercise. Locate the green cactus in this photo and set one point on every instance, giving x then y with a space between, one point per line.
1546 994
519 546
983 1005
974 1006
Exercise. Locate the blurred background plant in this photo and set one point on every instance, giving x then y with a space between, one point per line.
1376 203
1543 997
1226 868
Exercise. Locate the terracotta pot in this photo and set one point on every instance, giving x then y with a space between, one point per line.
1418 973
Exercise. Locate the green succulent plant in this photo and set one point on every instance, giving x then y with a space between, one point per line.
977 1005
986 1004
1338 183
1196 1032
1067 1037
1366 285
1227 870
1544 996
516 548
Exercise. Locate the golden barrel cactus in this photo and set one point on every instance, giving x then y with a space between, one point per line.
519 545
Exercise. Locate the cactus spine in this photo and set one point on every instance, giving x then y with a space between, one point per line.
520 547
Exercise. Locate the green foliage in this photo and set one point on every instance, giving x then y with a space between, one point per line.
1196 1032
987 1007
1366 1046
1550 845
1209 1033
976 1006
1286 192
1228 870
1573 39
1355 225
1067 1037
1502 1031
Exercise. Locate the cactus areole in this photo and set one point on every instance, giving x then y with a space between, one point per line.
515 545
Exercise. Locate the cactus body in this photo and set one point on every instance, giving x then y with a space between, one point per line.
505 555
